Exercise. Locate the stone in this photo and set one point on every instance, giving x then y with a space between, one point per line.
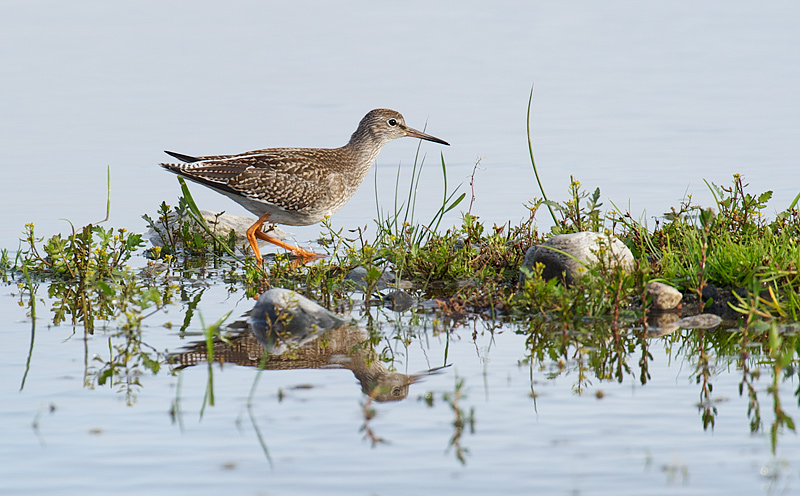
358 276
665 297
700 321
429 305
399 300
579 250
221 224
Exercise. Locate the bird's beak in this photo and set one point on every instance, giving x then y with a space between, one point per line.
419 134
414 378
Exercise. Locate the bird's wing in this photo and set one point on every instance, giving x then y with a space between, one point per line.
282 177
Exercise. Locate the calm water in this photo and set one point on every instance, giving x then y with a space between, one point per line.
643 101
580 435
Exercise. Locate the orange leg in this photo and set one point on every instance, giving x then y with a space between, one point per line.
255 231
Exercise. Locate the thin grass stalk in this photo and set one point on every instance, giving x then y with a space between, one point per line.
32 295
533 162
794 202
208 398
209 333
415 187
108 195
176 408
412 196
194 212
261 365
444 208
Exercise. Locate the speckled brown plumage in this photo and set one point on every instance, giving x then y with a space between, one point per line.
297 186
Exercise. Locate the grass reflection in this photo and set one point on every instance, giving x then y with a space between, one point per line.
595 352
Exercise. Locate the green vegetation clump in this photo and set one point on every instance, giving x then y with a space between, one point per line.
732 249
735 247
470 267
88 276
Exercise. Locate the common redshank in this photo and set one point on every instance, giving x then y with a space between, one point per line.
296 186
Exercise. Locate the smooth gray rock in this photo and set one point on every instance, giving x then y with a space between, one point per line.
221 225
701 321
285 316
665 297
399 300
581 249
429 305
358 276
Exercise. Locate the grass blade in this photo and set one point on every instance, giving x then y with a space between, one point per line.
533 162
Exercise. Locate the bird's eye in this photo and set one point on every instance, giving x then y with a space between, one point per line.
392 122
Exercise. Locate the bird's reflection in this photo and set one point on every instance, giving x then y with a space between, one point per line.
303 335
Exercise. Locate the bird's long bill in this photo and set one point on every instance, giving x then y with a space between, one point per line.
419 134
414 378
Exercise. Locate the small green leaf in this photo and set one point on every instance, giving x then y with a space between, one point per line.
105 288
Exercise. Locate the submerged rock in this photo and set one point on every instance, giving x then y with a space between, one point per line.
358 276
665 297
700 321
579 250
399 300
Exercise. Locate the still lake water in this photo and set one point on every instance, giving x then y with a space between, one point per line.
642 100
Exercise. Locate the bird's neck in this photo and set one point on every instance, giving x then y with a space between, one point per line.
363 153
